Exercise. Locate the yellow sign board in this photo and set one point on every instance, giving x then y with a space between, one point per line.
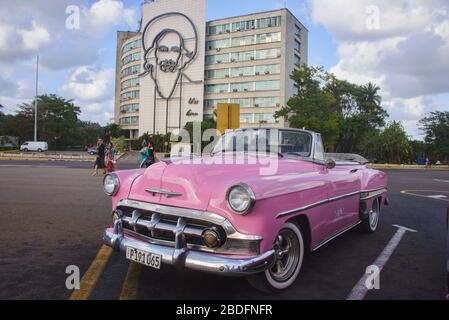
228 116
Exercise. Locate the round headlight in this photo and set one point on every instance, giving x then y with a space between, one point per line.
240 198
111 184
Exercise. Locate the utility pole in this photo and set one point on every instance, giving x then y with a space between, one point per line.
35 99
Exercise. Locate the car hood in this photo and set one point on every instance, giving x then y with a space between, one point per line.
199 181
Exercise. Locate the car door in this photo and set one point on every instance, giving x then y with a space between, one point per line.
344 196
343 191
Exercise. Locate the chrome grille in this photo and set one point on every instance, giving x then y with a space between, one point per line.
161 228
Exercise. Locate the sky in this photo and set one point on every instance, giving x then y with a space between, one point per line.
401 45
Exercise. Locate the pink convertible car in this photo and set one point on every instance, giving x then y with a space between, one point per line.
252 207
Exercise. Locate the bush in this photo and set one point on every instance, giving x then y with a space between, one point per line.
120 144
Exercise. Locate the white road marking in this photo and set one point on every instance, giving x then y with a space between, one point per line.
438 196
441 180
360 290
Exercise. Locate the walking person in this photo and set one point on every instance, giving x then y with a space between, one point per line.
143 156
99 161
151 155
110 158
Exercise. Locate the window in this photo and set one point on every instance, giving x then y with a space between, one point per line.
297 31
218 44
130 83
129 95
269 22
295 143
267 102
268 85
264 117
268 69
297 46
268 37
319 149
218 73
246 117
268 54
297 60
243 25
242 86
242 41
132 57
242 56
132 45
129 120
212 30
218 58
131 70
243 71
134 107
243 102
212 103
217 88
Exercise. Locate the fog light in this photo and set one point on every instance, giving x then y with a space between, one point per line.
211 238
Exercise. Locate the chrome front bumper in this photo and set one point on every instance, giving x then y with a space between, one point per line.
181 256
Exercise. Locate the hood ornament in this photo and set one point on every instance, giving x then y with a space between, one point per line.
165 192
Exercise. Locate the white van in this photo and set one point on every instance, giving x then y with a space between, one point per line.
39 146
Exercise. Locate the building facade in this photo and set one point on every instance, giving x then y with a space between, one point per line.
178 67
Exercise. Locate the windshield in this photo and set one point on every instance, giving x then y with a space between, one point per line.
285 142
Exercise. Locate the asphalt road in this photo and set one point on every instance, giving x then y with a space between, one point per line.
53 213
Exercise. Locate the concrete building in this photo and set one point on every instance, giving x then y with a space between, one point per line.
178 66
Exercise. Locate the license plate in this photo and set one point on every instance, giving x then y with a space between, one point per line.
146 258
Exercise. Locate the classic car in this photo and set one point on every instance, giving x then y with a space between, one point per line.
221 213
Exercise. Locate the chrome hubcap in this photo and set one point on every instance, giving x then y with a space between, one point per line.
287 255
374 215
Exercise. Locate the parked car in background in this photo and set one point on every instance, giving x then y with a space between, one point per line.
39 146
92 151
226 217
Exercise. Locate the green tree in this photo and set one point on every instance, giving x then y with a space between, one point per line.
344 113
394 144
436 128
208 123
57 121
313 107
113 130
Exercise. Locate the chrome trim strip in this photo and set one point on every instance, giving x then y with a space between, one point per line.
372 193
232 233
315 204
339 233
173 211
168 193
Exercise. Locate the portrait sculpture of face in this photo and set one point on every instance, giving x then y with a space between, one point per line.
167 55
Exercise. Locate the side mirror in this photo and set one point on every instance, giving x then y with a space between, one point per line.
329 164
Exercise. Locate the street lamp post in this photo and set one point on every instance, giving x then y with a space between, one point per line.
35 99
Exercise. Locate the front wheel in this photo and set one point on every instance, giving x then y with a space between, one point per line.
369 225
289 256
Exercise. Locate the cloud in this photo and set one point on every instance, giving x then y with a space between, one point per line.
87 84
93 90
106 13
402 45
60 47
16 43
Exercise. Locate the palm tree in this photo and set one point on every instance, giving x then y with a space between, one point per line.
370 93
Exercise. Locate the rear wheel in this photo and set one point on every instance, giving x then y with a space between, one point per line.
369 225
39 150
289 255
